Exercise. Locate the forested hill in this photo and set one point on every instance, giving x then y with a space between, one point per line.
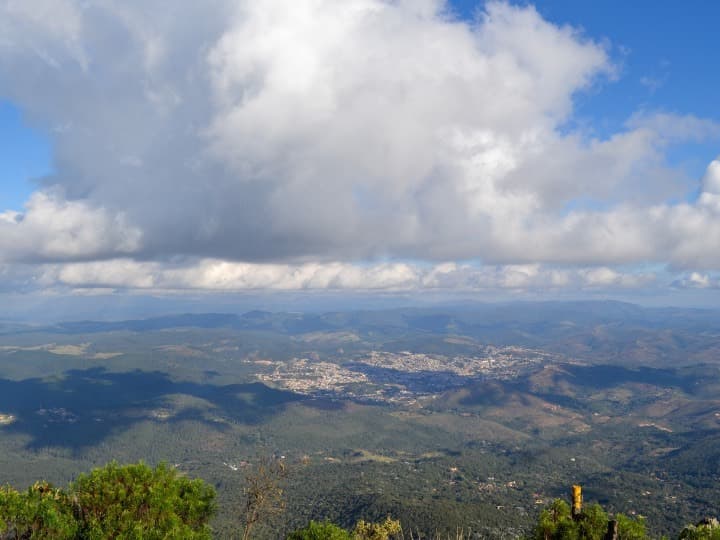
440 418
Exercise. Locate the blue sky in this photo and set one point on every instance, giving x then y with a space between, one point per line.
361 146
25 155
664 53
663 48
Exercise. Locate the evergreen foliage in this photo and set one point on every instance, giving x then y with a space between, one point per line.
556 523
708 529
41 512
390 528
131 502
320 531
364 530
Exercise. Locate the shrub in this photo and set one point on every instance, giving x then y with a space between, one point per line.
41 512
132 502
320 531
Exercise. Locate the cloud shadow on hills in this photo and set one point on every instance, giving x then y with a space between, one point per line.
83 407
415 381
570 386
608 376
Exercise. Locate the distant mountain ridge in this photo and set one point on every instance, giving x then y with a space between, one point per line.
501 313
430 319
606 331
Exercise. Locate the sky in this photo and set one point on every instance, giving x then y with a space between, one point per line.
365 149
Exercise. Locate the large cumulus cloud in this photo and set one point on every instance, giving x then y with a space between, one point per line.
319 132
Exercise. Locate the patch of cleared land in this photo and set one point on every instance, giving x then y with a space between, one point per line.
105 355
80 349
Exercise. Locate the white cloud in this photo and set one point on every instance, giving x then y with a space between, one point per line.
711 181
215 275
219 275
710 195
59 23
698 280
277 144
52 228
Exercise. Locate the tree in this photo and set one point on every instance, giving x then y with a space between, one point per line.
132 502
364 530
390 528
708 529
320 531
556 523
264 493
631 529
136 501
41 512
592 522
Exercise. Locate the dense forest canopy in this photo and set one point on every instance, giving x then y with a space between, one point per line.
140 502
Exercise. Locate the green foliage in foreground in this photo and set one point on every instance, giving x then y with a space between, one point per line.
132 501
386 530
40 512
137 502
556 523
320 531
708 529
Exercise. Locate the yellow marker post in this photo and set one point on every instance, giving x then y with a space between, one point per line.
576 501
